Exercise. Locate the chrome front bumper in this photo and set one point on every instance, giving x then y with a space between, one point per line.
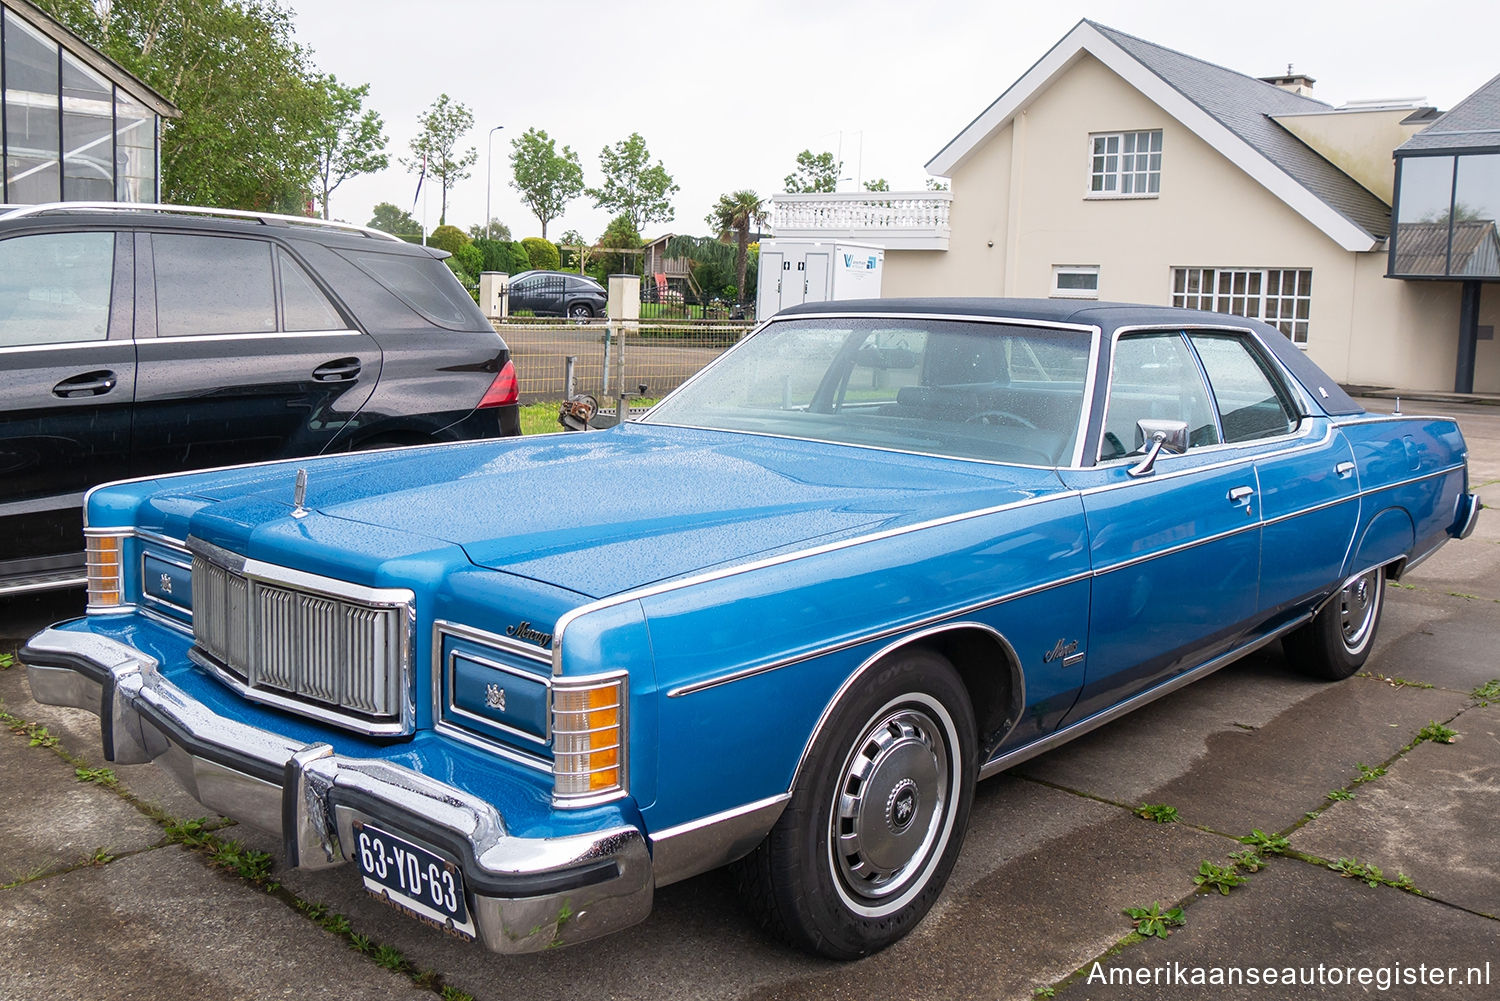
527 893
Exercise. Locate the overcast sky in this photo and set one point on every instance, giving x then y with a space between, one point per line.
727 94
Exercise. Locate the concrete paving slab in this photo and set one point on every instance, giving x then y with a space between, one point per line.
1240 733
1432 816
1442 640
79 732
52 821
1296 915
159 925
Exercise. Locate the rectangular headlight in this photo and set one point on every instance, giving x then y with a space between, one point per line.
588 738
105 571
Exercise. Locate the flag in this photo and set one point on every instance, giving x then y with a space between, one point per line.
420 178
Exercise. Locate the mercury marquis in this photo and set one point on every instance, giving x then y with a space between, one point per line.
877 551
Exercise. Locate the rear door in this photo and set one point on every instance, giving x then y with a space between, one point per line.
244 357
67 376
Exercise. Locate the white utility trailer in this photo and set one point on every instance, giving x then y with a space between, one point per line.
796 271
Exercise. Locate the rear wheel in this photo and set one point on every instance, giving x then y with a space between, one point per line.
878 815
581 311
1337 641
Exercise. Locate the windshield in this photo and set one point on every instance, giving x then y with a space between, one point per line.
995 391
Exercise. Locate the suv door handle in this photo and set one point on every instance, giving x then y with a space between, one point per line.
338 370
87 384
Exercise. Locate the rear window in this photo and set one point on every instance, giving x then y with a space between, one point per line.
424 284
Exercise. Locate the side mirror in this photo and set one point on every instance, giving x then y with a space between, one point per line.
1170 436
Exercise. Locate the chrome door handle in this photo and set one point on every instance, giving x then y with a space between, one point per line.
1344 468
1240 494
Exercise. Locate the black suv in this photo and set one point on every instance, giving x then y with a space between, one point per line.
557 293
137 340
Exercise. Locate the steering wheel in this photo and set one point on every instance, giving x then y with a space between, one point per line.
999 417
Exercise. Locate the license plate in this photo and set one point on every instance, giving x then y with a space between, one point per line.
413 879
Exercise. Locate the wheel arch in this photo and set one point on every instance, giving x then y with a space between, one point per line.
974 649
1387 541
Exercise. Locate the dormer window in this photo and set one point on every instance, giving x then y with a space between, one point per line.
1125 164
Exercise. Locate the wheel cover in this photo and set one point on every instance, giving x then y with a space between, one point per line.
893 805
1358 603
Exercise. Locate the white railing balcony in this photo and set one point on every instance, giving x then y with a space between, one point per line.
895 220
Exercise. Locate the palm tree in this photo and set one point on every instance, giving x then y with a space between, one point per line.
735 213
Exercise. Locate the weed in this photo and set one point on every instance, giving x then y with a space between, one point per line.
1159 812
390 957
7 661
40 737
244 862
1461 594
98 776
1368 774
1487 692
336 923
1247 860
1398 682
1217 877
454 994
1334 795
1313 814
1266 844
1153 921
361 943
1435 732
1044 992
100 856
1353 868
190 833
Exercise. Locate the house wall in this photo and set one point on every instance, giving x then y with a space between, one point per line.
1021 205
1360 143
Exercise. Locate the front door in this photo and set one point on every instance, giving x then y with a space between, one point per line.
67 375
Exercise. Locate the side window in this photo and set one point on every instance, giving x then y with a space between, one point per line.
303 304
54 288
1250 405
423 283
1154 377
212 285
523 287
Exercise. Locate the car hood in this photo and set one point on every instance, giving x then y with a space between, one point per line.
600 513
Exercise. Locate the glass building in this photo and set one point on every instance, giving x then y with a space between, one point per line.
73 125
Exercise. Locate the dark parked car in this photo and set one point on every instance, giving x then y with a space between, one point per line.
557 293
139 340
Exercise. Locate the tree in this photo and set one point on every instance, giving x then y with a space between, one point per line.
933 184
250 101
879 184
633 187
815 172
546 179
432 150
349 143
736 213
497 231
390 219
620 234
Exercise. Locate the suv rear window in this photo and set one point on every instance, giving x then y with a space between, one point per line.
424 284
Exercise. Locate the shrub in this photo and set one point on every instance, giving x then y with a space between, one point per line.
449 238
470 258
542 254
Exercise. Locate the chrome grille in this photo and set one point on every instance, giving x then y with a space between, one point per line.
342 657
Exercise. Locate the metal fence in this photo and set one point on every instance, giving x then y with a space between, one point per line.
659 356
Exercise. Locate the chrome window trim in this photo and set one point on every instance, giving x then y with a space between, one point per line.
1304 430
64 345
251 334
444 709
1094 331
664 587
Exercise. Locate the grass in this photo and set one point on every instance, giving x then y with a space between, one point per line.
541 418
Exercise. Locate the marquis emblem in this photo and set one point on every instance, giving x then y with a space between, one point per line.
901 806
299 494
522 631
166 583
494 697
1061 650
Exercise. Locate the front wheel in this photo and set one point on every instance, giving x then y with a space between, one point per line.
1337 641
877 817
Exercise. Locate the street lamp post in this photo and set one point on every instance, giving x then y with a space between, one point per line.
489 173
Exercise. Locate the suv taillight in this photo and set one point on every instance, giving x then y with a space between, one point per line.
503 391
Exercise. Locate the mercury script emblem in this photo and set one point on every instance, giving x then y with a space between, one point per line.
1063 648
494 697
523 631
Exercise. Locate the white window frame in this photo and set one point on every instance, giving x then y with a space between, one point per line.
1241 291
1113 167
1059 270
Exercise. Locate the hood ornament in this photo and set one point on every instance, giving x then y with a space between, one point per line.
299 494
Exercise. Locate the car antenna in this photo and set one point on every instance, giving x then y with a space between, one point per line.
1397 411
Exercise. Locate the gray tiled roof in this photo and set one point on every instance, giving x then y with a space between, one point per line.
1474 123
1244 105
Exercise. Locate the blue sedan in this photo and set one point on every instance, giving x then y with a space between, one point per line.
877 552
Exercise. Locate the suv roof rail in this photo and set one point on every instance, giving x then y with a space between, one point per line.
265 218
